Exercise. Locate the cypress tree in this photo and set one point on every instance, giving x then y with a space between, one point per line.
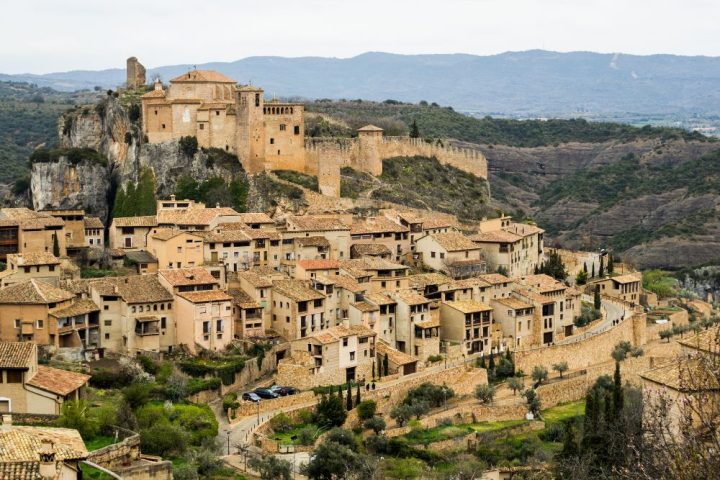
340 392
357 395
414 130
119 203
491 363
585 267
601 272
349 397
618 396
611 261
570 441
129 205
592 274
146 202
386 365
482 362
56 246
597 303
373 370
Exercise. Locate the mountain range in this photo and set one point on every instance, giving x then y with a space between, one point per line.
529 83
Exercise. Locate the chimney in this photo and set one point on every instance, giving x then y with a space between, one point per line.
46 452
217 205
172 197
6 421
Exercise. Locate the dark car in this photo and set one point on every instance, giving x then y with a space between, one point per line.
265 393
287 391
251 397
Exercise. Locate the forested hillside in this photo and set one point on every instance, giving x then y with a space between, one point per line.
344 117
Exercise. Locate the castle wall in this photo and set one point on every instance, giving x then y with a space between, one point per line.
284 137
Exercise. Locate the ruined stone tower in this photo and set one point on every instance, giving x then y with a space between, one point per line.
135 73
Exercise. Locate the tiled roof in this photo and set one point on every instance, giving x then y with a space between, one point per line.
145 221
432 222
434 321
512 302
154 94
319 264
311 223
468 306
33 292
497 236
60 382
469 283
524 229
704 340
204 296
193 216
255 217
256 280
134 288
334 334
370 249
379 299
370 128
532 296
187 276
165 234
314 241
140 256
365 306
16 354
93 222
242 299
494 278
542 283
28 219
20 470
199 76
422 280
78 307
453 241
628 278
33 259
23 444
376 225
411 298
371 264
395 356
296 290
348 283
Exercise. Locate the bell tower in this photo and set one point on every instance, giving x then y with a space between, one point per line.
251 128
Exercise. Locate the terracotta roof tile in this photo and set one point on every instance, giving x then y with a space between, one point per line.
422 280
468 306
376 225
256 280
201 76
370 249
61 382
187 276
314 241
16 354
494 278
542 283
145 221
78 307
134 288
524 229
242 299
311 223
19 443
497 236
205 296
196 216
93 222
379 299
33 259
319 264
33 292
297 290
395 356
512 302
365 306
335 334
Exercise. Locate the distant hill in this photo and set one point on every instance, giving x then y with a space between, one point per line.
531 83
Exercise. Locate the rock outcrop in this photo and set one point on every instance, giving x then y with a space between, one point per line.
61 185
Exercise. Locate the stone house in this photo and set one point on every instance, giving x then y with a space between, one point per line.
175 248
398 362
558 305
308 269
332 228
204 320
136 314
513 247
256 220
94 232
25 231
469 324
32 388
452 253
297 309
240 248
130 233
627 287
384 325
384 275
22 267
142 260
247 315
411 309
381 231
516 317
74 220
258 285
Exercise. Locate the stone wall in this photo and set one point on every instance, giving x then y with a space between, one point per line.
147 470
584 353
118 454
247 409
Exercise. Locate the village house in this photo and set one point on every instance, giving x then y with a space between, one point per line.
258 283
40 452
94 231
384 275
256 220
451 253
204 320
626 287
175 248
516 317
240 248
25 231
297 309
46 315
398 362
130 233
429 284
192 216
469 324
421 225
333 356
142 260
307 269
514 248
346 291
32 388
411 309
136 314
22 267
247 315
378 231
333 229
74 222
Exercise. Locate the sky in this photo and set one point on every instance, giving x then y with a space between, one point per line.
42 36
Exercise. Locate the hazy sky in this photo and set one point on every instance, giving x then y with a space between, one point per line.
40 36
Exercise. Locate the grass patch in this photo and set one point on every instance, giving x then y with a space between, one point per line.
484 427
98 443
298 178
563 412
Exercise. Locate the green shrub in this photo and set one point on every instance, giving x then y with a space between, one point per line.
102 378
230 401
197 385
73 155
148 364
188 145
366 409
163 439
281 423
434 358
307 181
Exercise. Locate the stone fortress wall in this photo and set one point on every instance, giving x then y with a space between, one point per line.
324 157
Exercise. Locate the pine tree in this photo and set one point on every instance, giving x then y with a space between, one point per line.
357 395
601 272
349 397
414 130
597 303
56 246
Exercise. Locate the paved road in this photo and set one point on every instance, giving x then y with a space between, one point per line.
614 313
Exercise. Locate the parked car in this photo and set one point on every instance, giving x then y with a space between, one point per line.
287 391
266 393
251 397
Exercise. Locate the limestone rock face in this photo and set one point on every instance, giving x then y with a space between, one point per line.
61 185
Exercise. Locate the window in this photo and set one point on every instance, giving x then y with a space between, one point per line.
202 126
282 127
272 141
345 342
442 255
297 130
163 322
107 336
206 327
17 323
106 307
219 326
257 99
352 356
39 324
432 254
14 376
